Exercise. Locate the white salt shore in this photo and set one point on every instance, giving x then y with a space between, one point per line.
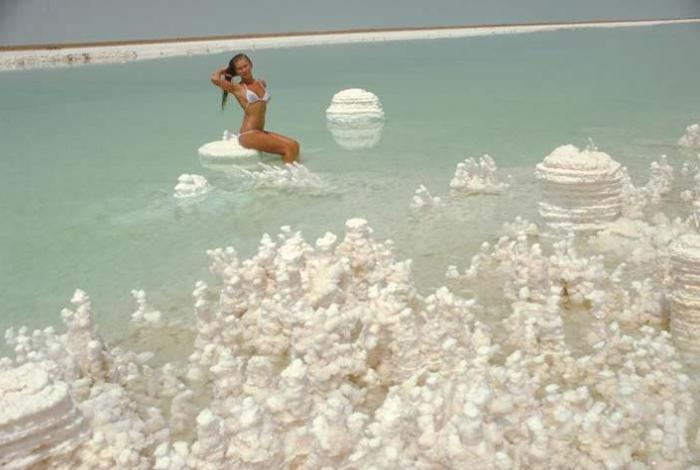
33 58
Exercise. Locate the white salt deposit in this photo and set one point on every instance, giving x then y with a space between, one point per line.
353 106
691 138
685 294
22 59
38 419
189 186
581 189
325 355
477 177
288 176
422 199
226 149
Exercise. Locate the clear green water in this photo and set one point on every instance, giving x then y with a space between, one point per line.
90 155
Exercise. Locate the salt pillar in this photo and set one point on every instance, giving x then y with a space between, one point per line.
581 189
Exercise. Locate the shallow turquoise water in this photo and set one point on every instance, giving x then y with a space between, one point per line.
90 155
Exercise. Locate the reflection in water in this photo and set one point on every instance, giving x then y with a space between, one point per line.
355 136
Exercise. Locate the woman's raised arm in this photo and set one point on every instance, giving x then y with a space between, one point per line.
218 79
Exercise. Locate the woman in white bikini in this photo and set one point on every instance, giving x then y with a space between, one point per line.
253 96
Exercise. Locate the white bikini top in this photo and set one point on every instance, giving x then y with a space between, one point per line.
252 97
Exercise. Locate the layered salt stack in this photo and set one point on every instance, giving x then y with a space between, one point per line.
38 418
226 150
355 118
581 189
691 138
685 294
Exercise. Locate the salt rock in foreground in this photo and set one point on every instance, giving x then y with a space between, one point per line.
685 294
691 138
226 149
581 189
38 418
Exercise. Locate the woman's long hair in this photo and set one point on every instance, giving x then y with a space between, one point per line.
230 73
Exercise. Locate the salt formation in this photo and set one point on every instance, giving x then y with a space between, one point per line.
472 177
145 314
354 105
325 355
38 418
355 118
191 186
422 199
288 176
685 296
691 138
581 189
226 150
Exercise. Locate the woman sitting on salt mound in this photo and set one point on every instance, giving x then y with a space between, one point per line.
253 96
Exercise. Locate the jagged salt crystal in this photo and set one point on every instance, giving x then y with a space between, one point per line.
477 177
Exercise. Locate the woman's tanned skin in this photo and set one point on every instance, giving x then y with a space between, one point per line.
253 133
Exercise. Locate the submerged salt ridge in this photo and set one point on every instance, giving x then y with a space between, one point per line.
313 355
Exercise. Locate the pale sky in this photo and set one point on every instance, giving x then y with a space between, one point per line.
46 21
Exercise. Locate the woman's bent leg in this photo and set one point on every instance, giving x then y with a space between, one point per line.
270 143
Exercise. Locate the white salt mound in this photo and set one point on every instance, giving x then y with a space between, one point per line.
581 189
354 105
227 148
38 418
691 138
191 186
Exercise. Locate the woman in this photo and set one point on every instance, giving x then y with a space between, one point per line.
253 96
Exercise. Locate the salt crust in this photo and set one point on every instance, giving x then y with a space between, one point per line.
226 149
18 60
324 355
691 138
191 186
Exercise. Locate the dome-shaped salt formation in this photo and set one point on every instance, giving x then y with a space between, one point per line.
226 149
691 138
581 189
191 186
354 105
38 418
685 294
355 118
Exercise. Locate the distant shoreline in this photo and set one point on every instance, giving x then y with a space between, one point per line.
66 54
